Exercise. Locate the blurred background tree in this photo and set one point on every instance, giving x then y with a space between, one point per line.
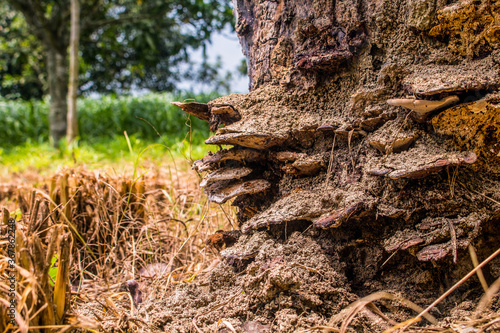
22 69
124 45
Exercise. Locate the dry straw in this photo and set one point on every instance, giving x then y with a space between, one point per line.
98 231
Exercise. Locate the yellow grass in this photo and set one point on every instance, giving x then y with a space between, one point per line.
118 222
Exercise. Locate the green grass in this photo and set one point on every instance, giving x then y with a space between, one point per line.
26 122
25 144
102 153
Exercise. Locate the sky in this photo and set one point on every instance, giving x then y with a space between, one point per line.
227 46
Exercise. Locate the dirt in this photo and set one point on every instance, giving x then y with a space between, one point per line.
298 281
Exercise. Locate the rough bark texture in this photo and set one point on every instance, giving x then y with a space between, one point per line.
372 128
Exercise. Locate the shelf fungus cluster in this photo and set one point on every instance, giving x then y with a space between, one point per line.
366 153
338 172
215 115
436 237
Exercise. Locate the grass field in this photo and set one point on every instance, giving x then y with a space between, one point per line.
124 196
113 133
43 159
107 117
124 205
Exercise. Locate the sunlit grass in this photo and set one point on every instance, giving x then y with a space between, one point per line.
26 152
43 159
148 209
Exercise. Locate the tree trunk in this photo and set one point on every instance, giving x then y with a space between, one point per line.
372 128
72 131
57 67
52 32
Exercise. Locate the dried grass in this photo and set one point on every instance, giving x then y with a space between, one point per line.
482 321
104 229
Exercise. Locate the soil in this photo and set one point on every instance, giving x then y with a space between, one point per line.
298 281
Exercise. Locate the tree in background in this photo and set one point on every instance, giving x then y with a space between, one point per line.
123 45
22 69
74 40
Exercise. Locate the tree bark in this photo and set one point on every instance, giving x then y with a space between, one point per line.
338 86
72 131
57 66
373 128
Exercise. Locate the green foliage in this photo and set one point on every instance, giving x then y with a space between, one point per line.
148 42
107 117
22 72
124 45
53 269
23 122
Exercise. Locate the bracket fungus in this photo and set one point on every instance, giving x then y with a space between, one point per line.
305 165
325 128
288 156
423 107
249 140
391 212
221 192
199 110
393 146
225 174
227 113
288 208
433 252
370 124
436 237
350 133
427 166
339 216
237 154
214 114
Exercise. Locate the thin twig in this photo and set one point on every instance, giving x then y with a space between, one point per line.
475 262
437 301
453 235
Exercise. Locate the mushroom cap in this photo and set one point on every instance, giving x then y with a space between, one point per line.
199 110
225 174
249 140
221 192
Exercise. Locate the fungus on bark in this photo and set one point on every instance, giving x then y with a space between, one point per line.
222 191
225 174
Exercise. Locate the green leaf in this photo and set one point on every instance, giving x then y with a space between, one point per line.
53 269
